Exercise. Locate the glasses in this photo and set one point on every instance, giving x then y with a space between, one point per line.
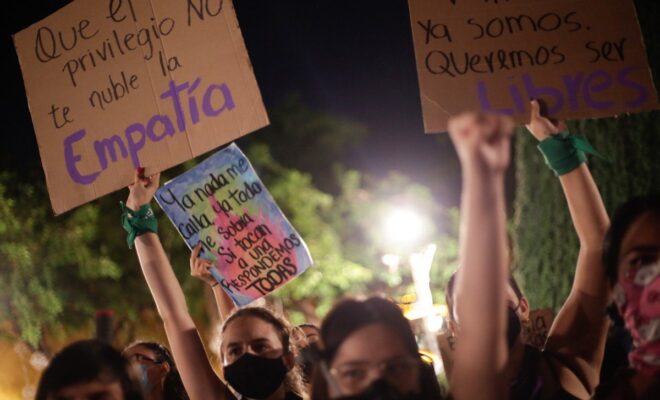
141 358
356 375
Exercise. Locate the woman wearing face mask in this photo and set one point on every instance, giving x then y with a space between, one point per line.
252 342
159 377
632 260
369 351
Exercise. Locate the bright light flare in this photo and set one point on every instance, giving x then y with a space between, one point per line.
403 226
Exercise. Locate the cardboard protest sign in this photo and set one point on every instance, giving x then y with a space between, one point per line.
534 332
583 58
117 84
223 204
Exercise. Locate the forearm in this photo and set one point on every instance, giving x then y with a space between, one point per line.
162 282
482 277
224 303
198 376
481 287
586 207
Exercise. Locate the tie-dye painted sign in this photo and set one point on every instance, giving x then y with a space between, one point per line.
223 204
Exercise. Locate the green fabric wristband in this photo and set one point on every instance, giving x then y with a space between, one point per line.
137 222
564 152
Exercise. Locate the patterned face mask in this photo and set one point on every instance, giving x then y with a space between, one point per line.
637 294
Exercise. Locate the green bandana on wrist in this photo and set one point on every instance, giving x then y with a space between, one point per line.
564 152
137 222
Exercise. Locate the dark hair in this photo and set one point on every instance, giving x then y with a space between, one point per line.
449 293
173 388
312 326
351 315
85 361
293 381
623 218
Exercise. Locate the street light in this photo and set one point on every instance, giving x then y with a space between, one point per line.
404 227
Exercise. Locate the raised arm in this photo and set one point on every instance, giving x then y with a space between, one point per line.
483 146
579 332
197 375
200 268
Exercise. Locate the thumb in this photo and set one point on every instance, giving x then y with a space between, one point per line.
535 109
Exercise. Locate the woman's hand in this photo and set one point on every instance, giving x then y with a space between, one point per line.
200 268
142 189
482 139
542 127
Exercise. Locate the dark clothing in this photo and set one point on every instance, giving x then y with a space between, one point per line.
619 388
288 396
537 379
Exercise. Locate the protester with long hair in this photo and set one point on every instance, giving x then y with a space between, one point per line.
157 371
368 351
252 343
631 255
88 369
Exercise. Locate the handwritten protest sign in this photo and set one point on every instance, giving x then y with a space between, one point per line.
534 332
583 58
223 204
117 84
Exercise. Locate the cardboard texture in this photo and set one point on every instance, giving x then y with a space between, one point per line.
116 84
583 58
223 203
534 332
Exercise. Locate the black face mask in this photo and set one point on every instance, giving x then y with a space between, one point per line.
513 327
307 357
381 390
256 377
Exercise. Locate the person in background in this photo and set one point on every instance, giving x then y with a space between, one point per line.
569 365
368 351
631 255
312 332
307 358
88 370
258 357
159 377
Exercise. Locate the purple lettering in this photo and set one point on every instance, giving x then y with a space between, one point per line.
534 92
485 103
133 146
228 102
622 78
108 146
173 92
165 122
590 87
72 159
573 84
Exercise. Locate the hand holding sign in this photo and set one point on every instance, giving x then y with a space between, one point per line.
200 267
542 127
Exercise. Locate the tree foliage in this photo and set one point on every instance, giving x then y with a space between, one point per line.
545 241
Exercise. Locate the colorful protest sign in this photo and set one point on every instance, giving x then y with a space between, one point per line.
583 58
117 84
223 204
